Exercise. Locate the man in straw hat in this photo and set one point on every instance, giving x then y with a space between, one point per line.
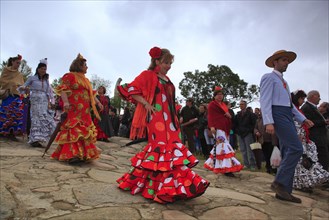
278 112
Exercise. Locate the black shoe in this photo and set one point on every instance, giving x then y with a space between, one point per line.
36 144
278 188
291 198
74 160
229 174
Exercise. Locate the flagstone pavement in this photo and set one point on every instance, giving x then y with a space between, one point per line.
33 187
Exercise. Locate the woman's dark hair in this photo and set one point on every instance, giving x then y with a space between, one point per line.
40 65
296 95
103 89
12 59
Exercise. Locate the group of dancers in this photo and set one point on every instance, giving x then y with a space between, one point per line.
161 171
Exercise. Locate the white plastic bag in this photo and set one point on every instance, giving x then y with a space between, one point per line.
276 157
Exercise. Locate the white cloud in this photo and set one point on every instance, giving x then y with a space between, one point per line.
115 36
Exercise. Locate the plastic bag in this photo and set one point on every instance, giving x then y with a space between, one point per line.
276 157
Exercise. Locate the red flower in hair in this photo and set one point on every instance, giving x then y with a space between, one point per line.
19 57
218 88
155 52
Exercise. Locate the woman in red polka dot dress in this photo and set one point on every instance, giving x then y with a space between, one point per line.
161 171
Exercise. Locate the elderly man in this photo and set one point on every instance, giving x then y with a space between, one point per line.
318 133
278 113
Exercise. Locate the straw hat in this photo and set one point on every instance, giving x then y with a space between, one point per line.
280 53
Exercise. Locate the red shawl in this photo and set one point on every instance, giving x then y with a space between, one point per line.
144 84
217 118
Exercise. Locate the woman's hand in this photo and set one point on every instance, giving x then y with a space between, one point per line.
228 115
308 123
213 130
149 108
100 106
66 106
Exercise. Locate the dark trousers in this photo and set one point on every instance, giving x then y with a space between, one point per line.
267 148
205 148
189 133
290 146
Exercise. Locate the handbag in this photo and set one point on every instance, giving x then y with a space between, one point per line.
275 157
255 146
4 93
306 162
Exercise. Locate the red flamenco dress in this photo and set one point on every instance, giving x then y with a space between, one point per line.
161 171
222 156
77 134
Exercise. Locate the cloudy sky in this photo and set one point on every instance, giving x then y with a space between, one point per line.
115 37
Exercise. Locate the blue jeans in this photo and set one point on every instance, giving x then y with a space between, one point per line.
290 146
247 154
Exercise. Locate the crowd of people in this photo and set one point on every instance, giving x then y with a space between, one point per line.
162 170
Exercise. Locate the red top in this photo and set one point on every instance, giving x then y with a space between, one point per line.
217 118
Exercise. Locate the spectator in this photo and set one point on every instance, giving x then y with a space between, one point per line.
318 133
202 130
188 118
233 138
124 130
115 121
309 175
257 112
244 127
268 141
324 109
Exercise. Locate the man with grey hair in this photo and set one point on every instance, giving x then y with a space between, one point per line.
318 133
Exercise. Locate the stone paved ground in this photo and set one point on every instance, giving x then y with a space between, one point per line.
33 187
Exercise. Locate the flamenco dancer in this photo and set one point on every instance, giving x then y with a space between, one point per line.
161 171
222 156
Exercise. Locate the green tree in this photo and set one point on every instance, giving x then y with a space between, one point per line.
56 82
96 82
25 69
200 85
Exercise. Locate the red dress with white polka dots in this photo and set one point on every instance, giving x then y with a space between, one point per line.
161 171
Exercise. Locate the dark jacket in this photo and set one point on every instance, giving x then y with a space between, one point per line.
202 124
188 113
319 131
244 124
